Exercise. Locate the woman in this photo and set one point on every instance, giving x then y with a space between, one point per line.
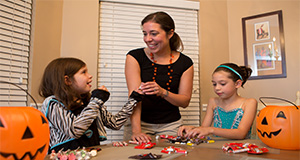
164 74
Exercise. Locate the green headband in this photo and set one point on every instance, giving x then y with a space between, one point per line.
234 71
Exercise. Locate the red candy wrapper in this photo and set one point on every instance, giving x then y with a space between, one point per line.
258 150
243 147
172 149
145 145
165 151
181 151
166 137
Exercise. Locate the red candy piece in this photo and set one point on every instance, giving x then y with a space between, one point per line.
258 150
165 151
243 147
181 151
166 137
145 145
172 149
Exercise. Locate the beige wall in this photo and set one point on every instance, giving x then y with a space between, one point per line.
64 28
46 39
80 33
221 41
214 48
227 15
282 87
69 28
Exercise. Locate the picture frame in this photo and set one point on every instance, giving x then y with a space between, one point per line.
263 41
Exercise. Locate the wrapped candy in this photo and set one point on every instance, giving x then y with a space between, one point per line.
172 149
145 145
243 147
78 154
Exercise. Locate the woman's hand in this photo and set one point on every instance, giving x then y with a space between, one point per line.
139 90
141 137
184 129
199 132
152 88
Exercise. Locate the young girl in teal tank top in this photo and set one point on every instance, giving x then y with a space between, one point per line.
231 115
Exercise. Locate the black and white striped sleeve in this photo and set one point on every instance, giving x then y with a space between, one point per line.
117 121
70 124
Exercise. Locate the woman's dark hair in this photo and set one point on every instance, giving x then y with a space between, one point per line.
53 82
242 72
167 24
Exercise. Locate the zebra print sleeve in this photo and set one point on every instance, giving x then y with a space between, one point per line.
68 123
116 121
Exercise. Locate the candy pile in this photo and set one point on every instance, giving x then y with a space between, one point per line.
172 149
243 147
190 142
78 154
175 139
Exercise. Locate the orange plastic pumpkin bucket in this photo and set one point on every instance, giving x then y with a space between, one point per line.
279 126
24 133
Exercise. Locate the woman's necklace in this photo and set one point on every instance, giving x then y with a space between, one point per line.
169 72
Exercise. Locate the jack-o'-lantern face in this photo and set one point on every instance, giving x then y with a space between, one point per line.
278 126
24 133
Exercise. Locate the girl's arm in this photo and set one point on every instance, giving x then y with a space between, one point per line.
68 123
206 122
239 133
208 119
184 95
117 121
133 80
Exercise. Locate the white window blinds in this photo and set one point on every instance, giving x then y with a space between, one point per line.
15 22
120 31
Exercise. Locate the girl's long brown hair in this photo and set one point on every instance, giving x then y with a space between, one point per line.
53 82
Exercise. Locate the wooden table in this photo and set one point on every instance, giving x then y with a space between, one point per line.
214 151
202 151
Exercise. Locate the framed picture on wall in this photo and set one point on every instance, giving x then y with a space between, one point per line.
263 42
262 31
264 59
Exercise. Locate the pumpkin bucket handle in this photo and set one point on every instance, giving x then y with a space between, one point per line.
36 106
260 98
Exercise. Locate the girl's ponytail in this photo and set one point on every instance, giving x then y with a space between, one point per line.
245 73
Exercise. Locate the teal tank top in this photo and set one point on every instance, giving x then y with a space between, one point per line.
228 119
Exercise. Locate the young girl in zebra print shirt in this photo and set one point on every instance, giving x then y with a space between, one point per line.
76 117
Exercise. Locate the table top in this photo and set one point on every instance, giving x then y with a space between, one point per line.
205 151
214 151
